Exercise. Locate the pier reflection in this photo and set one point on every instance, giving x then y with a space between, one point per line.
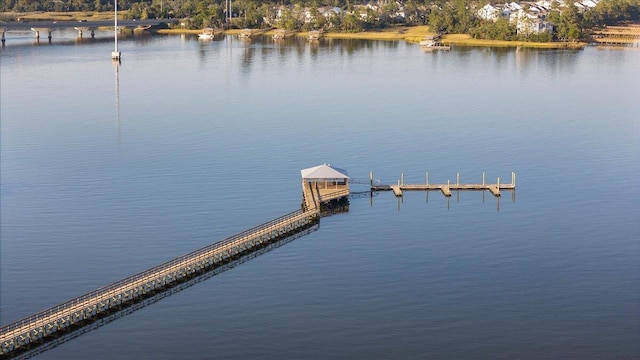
116 66
400 199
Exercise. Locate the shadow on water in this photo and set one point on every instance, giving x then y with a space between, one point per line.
106 317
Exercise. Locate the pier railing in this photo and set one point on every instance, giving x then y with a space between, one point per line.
328 196
87 306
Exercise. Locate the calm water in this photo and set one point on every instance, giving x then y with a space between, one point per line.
108 171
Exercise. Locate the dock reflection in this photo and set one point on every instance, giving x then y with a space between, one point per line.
400 199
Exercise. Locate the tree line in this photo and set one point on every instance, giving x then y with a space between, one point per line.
445 16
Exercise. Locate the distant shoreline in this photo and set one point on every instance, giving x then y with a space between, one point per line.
412 34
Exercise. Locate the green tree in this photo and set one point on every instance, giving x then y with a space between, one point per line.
351 23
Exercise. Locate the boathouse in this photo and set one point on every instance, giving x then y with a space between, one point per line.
326 177
324 183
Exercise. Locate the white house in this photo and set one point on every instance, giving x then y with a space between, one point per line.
548 4
590 3
489 12
329 12
512 7
529 22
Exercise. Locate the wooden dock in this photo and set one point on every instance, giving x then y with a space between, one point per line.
39 328
447 188
625 36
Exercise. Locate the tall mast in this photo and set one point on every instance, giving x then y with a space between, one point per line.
115 55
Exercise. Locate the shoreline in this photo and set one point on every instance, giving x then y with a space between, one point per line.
411 34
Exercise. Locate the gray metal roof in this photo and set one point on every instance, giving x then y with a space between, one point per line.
324 171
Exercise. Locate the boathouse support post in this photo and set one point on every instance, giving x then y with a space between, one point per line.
3 31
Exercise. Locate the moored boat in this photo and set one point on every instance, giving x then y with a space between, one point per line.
206 34
245 34
315 35
433 43
279 34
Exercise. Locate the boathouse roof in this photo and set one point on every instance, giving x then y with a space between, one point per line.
324 171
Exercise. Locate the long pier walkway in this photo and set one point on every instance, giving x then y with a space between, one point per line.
83 310
447 188
323 190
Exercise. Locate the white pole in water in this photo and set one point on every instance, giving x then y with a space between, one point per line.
115 55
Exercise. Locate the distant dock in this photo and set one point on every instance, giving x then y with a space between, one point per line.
447 188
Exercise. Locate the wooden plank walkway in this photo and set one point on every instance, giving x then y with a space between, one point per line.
84 309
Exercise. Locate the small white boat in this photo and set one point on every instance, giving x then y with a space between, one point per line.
433 43
206 34
315 35
279 34
245 34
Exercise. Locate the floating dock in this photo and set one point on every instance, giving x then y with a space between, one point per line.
447 188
